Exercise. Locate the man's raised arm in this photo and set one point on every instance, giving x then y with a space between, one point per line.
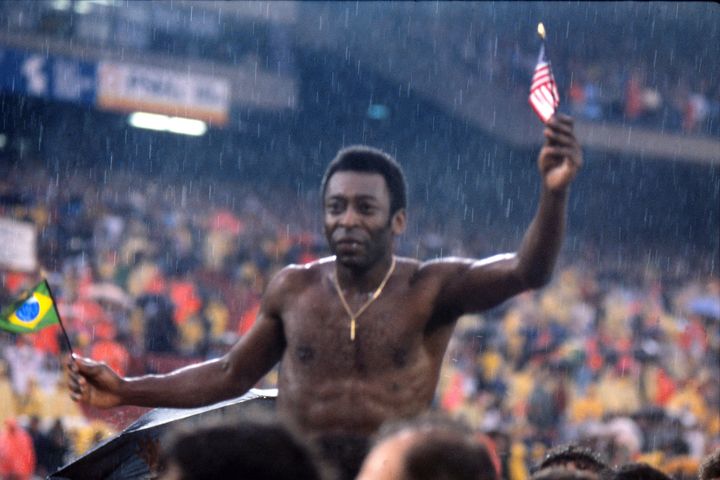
196 385
475 285
558 162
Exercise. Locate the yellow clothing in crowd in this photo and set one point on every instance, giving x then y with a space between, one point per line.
586 407
618 394
689 399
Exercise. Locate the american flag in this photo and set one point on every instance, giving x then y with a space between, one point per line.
544 97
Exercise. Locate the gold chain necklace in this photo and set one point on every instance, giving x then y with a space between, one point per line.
373 297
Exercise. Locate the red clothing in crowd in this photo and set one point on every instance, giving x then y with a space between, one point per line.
46 340
665 387
247 320
114 354
17 455
185 299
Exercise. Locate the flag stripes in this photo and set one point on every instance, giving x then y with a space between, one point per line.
544 97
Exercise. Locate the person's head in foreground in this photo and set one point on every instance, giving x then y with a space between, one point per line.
562 473
638 471
710 467
430 447
258 449
573 457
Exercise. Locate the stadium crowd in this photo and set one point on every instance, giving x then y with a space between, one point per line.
635 93
653 78
150 275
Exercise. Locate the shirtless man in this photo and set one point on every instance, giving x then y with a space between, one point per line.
360 335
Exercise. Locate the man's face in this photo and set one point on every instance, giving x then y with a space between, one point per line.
358 226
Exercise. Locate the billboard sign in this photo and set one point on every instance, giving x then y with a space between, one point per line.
127 87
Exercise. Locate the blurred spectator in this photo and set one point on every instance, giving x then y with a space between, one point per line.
159 325
50 447
41 445
634 105
428 448
557 473
106 348
239 448
57 447
7 396
710 468
17 454
546 406
24 362
639 471
573 457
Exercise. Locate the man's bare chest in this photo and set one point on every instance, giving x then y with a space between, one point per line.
389 333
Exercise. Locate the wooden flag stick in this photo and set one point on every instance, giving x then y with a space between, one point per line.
57 312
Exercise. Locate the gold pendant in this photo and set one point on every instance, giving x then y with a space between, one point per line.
369 301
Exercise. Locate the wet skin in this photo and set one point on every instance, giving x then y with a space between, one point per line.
329 384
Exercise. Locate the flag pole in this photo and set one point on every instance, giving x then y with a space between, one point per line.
541 33
57 312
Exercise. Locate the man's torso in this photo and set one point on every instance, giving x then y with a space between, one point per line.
332 384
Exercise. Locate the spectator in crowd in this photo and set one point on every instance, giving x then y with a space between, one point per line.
8 398
573 457
17 454
50 446
58 446
560 473
710 467
639 471
108 349
426 448
253 447
25 364
160 329
41 445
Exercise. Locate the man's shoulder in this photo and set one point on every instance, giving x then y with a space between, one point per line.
442 265
451 264
447 269
295 275
316 267
419 272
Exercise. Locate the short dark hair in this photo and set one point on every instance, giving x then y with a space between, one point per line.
240 448
561 473
710 467
447 455
362 158
639 471
583 458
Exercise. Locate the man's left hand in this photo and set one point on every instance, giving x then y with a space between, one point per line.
561 156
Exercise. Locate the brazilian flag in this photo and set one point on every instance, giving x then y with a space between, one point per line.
34 311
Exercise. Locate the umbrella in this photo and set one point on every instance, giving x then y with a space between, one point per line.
110 293
706 306
134 452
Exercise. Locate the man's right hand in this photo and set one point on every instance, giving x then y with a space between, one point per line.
94 383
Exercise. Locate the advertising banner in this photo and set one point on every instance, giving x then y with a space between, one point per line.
52 77
128 87
18 245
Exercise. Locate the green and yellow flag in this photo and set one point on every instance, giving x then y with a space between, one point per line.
34 311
